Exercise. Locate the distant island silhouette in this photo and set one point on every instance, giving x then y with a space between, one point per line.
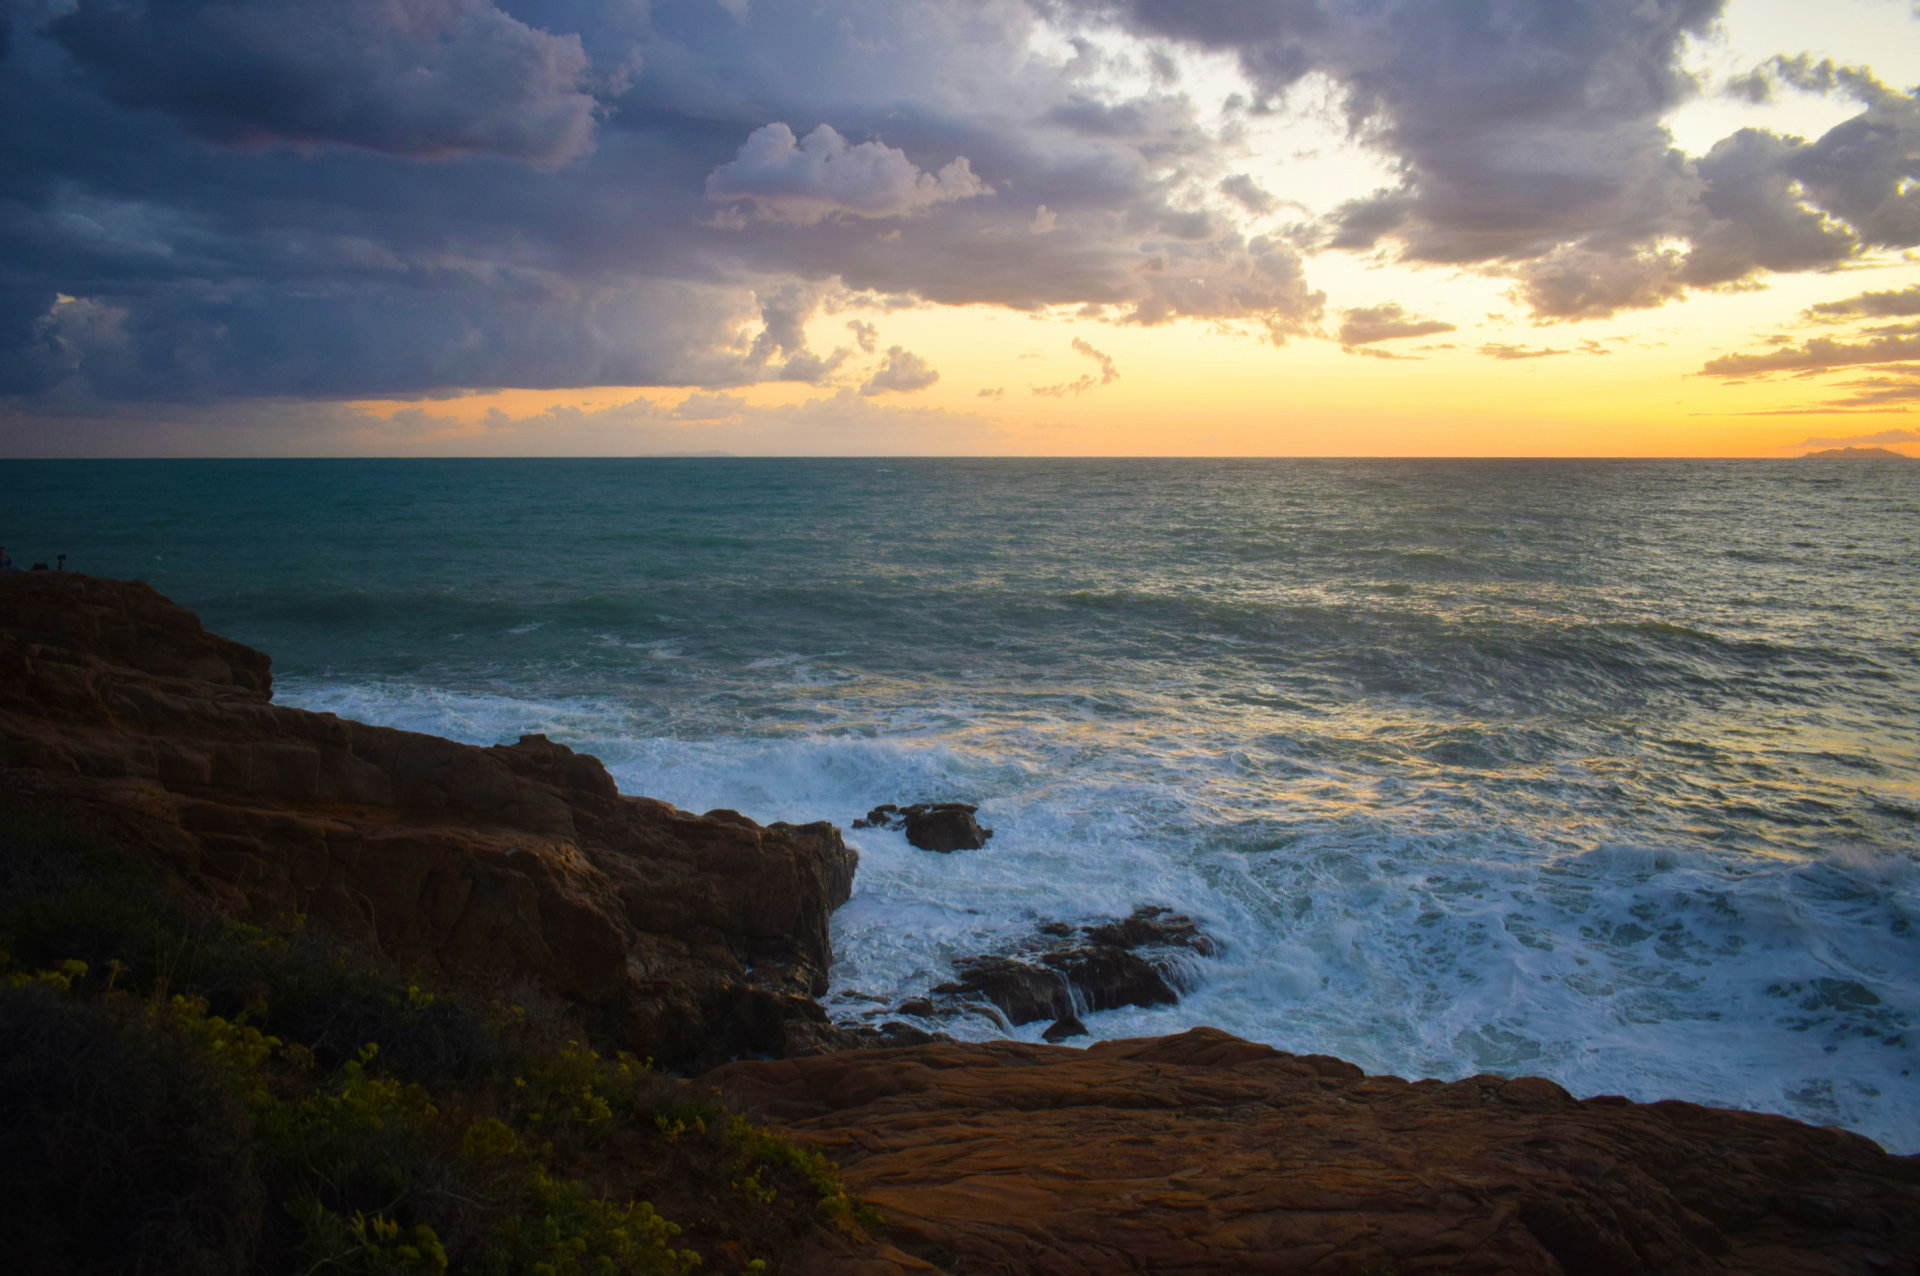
1856 454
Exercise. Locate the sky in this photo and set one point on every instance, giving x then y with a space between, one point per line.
953 227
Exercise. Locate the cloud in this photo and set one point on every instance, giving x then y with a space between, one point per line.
1244 189
1497 350
1108 373
784 311
992 392
1529 140
1859 440
1366 324
419 78
1870 305
1817 354
1900 383
432 194
1080 385
865 335
702 406
805 180
1803 73
902 372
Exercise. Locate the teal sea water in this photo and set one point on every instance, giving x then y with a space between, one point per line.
1602 771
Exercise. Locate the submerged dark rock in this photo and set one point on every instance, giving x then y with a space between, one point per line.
1153 926
1022 991
1109 978
1065 1028
1058 971
931 826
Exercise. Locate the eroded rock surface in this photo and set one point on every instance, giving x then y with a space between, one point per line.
1203 1153
689 938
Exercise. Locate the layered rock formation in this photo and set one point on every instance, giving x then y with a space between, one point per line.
1204 1153
690 938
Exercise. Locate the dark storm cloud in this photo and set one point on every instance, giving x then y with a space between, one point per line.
407 77
1530 140
1802 72
203 199
1367 324
263 197
1521 127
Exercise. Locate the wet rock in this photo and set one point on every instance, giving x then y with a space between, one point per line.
1065 1028
1108 978
931 826
1091 968
831 1038
880 817
1152 926
945 827
1023 992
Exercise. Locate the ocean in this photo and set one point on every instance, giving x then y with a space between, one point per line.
1604 771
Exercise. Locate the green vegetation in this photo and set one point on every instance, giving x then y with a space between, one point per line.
180 1093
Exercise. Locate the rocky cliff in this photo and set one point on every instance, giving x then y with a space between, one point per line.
699 938
686 937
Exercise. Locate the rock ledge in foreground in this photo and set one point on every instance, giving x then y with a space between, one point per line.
1204 1153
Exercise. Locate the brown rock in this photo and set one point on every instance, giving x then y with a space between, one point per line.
1065 1028
1204 1153
1022 992
689 938
1152 926
931 826
945 827
1053 972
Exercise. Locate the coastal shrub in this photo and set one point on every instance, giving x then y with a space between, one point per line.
122 1147
65 897
292 1104
310 989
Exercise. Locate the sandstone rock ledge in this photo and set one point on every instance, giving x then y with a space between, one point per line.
690 938
1202 1153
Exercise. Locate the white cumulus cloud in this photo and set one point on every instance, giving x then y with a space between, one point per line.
804 180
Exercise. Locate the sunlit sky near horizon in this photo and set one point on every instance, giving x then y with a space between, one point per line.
1108 227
